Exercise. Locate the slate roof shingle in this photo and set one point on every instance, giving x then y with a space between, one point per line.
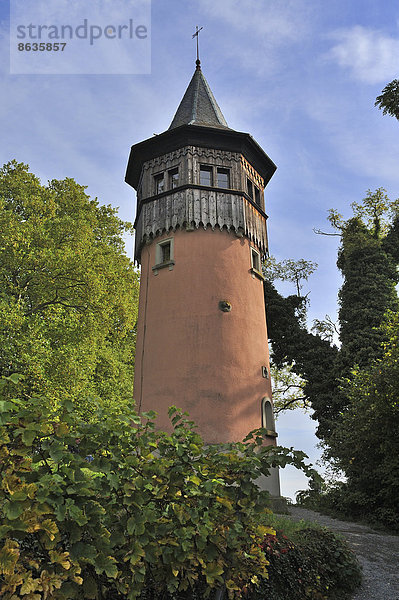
198 106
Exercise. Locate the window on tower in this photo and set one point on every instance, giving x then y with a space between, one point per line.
267 416
165 252
223 177
255 260
256 265
206 175
159 182
173 175
164 255
257 195
250 188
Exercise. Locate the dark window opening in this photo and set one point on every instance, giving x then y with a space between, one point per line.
257 196
205 175
159 183
223 178
267 415
250 189
173 178
165 252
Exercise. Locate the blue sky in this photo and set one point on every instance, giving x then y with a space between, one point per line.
300 76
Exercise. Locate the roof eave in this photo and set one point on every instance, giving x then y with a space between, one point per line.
203 136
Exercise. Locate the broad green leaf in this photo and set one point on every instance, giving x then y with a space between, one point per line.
225 501
9 555
4 529
28 436
14 378
50 528
212 572
61 558
107 565
57 452
19 496
196 480
13 509
30 585
137 553
81 550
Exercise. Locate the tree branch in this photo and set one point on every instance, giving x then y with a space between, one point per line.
53 302
285 389
287 404
320 232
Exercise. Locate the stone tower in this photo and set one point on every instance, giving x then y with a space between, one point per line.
200 239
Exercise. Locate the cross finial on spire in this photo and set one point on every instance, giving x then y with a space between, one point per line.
197 30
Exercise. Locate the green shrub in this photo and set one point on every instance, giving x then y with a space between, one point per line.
311 564
331 559
343 500
112 507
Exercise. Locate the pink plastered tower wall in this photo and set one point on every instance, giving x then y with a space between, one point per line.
202 338
190 353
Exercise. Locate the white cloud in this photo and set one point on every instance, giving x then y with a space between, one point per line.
358 137
271 29
279 21
371 55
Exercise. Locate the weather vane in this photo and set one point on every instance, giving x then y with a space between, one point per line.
197 30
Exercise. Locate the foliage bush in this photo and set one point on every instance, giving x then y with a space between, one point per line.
370 492
110 507
312 563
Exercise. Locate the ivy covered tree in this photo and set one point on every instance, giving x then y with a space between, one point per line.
367 293
367 258
303 363
368 267
371 465
353 389
68 302
310 357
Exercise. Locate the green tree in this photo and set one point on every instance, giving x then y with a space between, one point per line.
367 258
302 363
68 302
370 276
388 100
368 291
352 390
286 319
371 465
295 271
312 358
288 391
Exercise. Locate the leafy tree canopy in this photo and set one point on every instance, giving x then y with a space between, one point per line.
375 211
371 418
285 316
68 302
288 391
353 390
367 258
295 271
388 100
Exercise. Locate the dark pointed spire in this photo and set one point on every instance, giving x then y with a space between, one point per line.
198 106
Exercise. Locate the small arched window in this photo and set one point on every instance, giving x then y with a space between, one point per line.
267 415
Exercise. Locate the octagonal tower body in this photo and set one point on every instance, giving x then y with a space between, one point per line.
200 239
